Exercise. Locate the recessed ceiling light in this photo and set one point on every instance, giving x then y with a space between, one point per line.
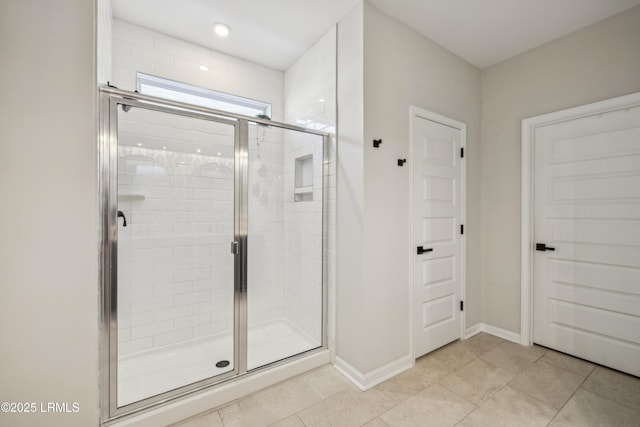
139 145
221 29
219 154
321 100
204 68
198 150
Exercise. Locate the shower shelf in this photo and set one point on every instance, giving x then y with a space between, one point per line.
303 194
131 197
303 190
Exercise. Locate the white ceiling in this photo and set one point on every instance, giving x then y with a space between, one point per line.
485 32
270 32
276 32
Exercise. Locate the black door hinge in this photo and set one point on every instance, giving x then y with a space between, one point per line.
461 305
462 152
461 228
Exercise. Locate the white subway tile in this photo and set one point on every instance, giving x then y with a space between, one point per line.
151 329
172 312
172 337
192 321
135 346
150 55
172 289
150 304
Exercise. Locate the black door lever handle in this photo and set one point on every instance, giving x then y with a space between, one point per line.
422 250
543 247
124 218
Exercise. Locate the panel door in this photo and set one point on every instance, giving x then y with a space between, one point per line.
437 215
587 210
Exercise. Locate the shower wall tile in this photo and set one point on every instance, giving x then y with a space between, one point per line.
173 337
310 87
137 49
176 269
135 346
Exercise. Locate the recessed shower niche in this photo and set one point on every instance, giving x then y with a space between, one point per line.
303 185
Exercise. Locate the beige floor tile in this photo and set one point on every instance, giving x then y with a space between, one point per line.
348 408
510 407
376 422
513 357
431 368
435 406
288 397
292 421
327 381
482 342
430 363
270 405
548 383
453 356
586 409
614 385
248 412
477 381
210 419
411 382
570 363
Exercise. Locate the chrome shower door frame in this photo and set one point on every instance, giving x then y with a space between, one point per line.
110 99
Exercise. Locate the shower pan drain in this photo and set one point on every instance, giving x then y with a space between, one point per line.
222 364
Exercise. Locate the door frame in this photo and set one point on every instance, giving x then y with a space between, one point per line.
415 112
529 127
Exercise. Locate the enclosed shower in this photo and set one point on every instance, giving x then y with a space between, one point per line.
213 247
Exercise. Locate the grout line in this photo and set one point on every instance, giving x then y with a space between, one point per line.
594 392
570 397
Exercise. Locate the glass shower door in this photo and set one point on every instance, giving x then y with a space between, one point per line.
176 304
285 243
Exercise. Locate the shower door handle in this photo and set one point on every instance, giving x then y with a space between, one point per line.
234 248
124 218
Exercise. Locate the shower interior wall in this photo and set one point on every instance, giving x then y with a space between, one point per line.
310 101
285 266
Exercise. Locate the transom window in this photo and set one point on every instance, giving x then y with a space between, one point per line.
183 92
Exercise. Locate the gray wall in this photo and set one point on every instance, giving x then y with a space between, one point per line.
399 68
349 187
403 68
48 225
599 62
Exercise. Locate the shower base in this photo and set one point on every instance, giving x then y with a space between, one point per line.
152 372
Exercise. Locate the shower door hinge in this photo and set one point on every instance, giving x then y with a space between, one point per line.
462 152
234 247
461 228
461 305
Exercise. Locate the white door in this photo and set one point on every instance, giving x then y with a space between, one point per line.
437 216
586 296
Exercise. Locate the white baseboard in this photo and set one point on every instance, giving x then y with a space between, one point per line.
375 377
474 330
493 330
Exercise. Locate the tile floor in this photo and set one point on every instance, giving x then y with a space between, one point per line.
482 381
